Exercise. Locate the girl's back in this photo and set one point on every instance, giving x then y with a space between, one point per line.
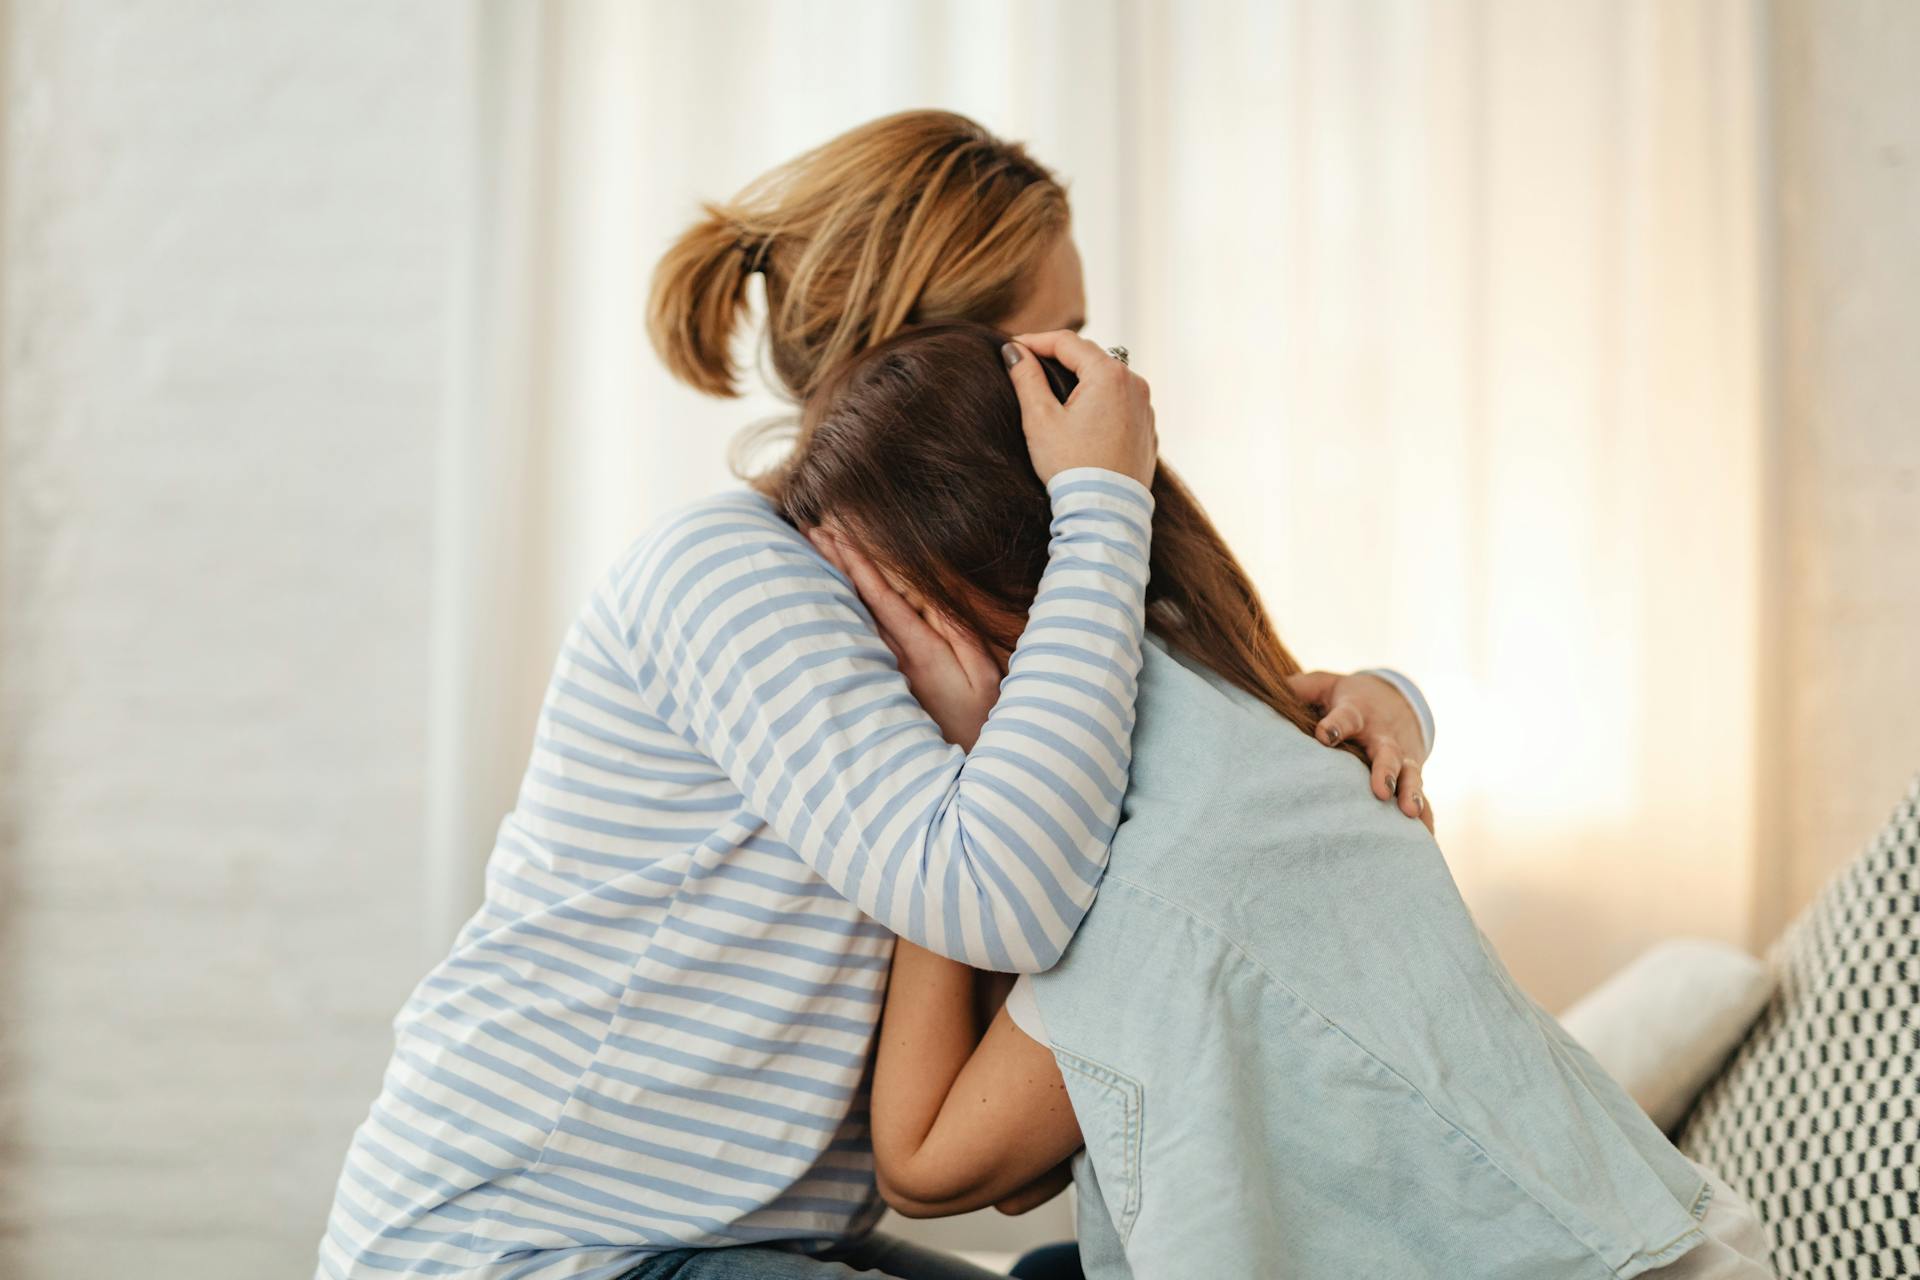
1285 1037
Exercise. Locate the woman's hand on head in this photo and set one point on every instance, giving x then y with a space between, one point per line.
1108 420
1366 710
949 672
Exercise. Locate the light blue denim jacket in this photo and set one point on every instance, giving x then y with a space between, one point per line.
1293 1054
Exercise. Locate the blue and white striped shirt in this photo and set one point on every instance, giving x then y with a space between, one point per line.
655 1031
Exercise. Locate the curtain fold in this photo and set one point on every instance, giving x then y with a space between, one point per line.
1451 315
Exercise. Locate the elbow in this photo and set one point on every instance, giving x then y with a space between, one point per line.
1047 950
907 1199
1045 940
1049 943
905 1206
914 1191
1042 952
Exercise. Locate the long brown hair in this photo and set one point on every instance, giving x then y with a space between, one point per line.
914 218
916 448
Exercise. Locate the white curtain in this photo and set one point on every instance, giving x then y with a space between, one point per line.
1450 311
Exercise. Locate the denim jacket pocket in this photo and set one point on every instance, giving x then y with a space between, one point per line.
1109 1105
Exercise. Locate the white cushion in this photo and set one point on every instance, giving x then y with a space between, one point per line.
1664 1024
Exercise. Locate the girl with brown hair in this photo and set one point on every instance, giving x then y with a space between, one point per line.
1285 1044
646 1053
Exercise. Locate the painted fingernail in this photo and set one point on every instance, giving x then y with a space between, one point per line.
1393 780
1419 804
1331 736
1010 352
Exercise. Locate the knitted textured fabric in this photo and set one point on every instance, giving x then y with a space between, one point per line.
1816 1119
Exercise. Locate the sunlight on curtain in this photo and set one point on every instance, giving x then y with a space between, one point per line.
1450 314
1452 320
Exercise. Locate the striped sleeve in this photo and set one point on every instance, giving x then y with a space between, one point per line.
761 655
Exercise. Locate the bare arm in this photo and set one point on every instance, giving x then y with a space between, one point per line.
1039 1191
960 1120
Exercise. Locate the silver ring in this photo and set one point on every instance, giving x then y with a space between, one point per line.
1120 354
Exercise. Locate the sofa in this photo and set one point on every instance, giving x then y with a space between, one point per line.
1815 1117
1796 1077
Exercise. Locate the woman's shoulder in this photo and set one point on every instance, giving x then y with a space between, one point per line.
714 535
741 503
732 518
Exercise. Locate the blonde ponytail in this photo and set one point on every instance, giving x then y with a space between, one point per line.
918 217
698 300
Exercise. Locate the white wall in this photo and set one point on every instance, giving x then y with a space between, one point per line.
226 270
229 284
1843 685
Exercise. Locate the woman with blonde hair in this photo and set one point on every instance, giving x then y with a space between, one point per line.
646 1054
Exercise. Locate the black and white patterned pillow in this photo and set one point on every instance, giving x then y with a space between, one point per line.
1816 1119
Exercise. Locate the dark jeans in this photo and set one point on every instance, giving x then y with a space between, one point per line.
1053 1262
874 1256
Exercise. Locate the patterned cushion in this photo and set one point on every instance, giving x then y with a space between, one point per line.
1816 1119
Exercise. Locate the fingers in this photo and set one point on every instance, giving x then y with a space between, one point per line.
1413 800
1107 421
1394 773
829 549
1070 349
1397 777
1386 771
981 670
915 639
900 623
893 646
1030 384
1340 724
1426 813
1314 688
